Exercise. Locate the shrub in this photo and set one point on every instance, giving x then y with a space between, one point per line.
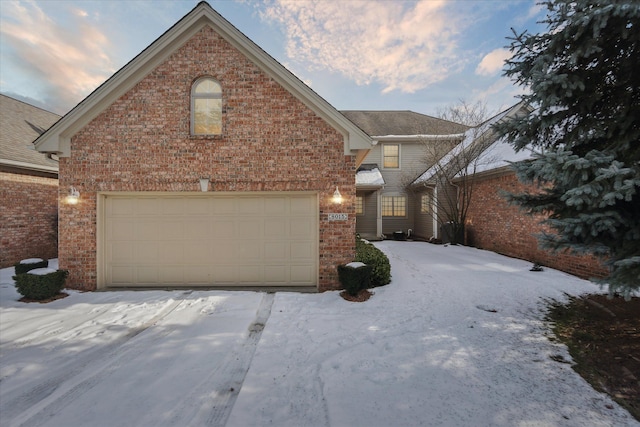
23 268
370 255
40 286
354 279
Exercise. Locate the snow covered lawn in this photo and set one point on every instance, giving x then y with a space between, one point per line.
456 339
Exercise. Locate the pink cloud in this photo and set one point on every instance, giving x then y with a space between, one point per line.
67 61
403 46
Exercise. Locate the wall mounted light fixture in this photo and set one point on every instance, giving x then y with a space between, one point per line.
337 197
204 184
73 197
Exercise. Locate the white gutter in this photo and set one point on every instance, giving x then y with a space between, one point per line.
418 136
30 166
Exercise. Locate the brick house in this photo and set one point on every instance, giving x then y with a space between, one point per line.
204 162
28 185
491 223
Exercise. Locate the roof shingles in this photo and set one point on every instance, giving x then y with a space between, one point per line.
20 125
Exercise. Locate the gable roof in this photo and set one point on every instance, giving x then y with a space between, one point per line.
20 125
406 123
481 135
57 139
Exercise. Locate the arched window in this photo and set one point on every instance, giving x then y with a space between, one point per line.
206 107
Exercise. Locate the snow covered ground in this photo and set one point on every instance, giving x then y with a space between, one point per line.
457 339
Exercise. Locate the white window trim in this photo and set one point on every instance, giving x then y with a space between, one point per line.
406 205
428 196
193 97
363 210
399 156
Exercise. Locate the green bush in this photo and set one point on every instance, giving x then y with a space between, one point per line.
23 268
39 287
354 279
370 255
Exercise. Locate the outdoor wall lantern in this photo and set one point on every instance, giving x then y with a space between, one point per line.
337 197
73 197
204 184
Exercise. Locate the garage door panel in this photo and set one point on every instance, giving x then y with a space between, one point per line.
302 274
248 252
198 229
121 275
198 275
223 206
200 240
223 228
197 206
121 207
122 229
171 274
173 253
276 251
146 230
249 228
197 252
301 227
147 275
144 252
276 274
147 206
275 227
302 206
172 230
301 251
172 206
276 206
250 206
250 274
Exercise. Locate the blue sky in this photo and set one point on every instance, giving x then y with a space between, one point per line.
420 55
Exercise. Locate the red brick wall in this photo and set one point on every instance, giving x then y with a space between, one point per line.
494 225
28 209
142 142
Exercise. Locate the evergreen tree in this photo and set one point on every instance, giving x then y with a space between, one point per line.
583 80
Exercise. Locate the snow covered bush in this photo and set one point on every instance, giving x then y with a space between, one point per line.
354 278
30 264
370 255
41 283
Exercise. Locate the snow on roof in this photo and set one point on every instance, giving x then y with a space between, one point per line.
499 154
470 137
369 177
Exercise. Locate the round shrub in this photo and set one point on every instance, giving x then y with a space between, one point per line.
30 264
370 255
40 284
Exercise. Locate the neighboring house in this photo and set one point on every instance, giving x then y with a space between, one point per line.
491 223
28 185
204 105
404 139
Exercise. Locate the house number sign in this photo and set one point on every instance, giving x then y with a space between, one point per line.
338 216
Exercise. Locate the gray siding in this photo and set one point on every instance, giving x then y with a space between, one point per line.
423 223
366 224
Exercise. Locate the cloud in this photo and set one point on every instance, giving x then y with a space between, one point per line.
403 46
493 62
67 61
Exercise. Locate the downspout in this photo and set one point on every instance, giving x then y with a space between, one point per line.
435 212
378 214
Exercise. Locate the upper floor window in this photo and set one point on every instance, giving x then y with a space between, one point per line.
391 156
206 107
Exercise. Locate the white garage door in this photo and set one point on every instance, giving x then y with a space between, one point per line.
210 240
